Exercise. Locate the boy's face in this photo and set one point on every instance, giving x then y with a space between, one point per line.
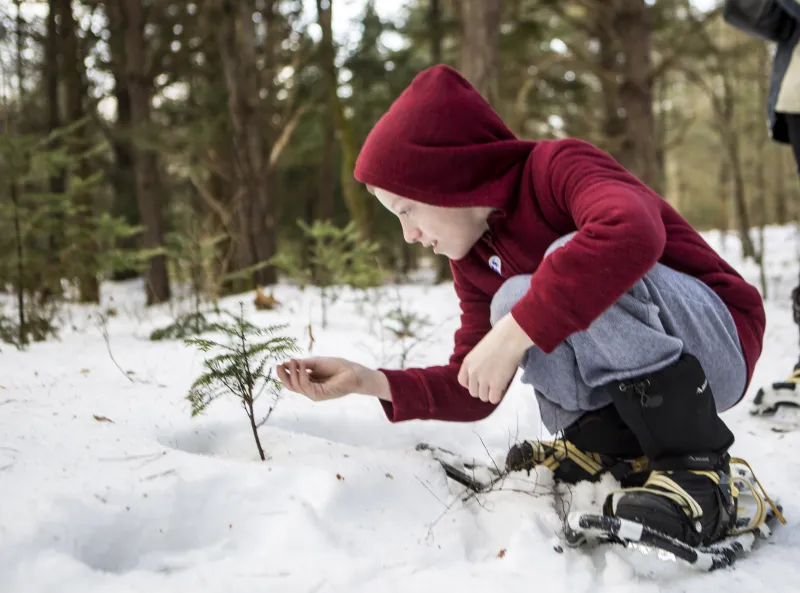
450 231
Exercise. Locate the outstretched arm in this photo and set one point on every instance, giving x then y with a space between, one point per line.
432 393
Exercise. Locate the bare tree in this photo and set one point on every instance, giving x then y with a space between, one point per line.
716 80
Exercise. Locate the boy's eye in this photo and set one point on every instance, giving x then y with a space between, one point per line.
403 213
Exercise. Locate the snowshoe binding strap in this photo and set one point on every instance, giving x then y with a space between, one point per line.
568 462
551 454
660 483
760 515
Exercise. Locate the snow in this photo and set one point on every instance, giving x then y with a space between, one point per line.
146 498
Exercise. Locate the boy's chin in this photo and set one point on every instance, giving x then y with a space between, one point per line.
459 252
455 255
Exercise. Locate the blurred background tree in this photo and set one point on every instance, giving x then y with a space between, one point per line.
238 118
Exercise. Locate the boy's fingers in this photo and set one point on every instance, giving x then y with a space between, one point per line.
284 378
463 376
303 380
485 392
474 388
293 376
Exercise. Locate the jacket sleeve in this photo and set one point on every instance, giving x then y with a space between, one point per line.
434 393
620 237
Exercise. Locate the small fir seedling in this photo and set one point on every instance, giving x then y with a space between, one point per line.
242 368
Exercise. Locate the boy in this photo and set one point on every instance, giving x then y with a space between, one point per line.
632 331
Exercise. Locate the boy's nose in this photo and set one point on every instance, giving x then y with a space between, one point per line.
411 234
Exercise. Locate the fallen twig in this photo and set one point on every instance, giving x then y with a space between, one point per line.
159 475
135 457
103 323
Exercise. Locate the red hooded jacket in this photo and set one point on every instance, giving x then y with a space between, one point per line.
441 143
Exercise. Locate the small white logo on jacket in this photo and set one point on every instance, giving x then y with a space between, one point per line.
496 264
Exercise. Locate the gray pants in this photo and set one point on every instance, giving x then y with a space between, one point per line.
661 316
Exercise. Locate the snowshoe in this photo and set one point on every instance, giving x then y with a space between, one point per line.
475 475
754 515
780 403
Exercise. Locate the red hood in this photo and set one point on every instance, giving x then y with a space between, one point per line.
441 143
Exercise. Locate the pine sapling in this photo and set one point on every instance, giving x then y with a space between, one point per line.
336 257
241 368
407 328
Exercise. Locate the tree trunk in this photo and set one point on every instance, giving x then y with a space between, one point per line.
327 180
361 209
662 123
123 177
730 136
781 195
724 192
88 286
613 129
739 195
637 153
328 121
761 201
761 166
435 28
443 272
57 181
20 257
20 35
479 60
236 39
149 193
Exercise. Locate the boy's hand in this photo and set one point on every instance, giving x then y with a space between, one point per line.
488 370
322 378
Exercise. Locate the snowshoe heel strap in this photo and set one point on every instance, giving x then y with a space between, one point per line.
760 515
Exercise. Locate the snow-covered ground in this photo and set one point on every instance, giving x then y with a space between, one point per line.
154 500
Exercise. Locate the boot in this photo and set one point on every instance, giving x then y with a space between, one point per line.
597 443
688 495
